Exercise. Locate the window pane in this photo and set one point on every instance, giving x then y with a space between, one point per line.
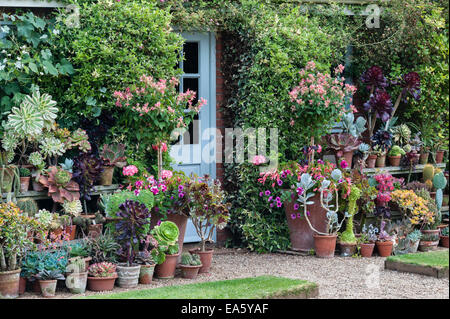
190 63
192 84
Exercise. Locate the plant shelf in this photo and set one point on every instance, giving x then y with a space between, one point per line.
397 170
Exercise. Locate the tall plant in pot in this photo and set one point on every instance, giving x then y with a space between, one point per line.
347 238
112 155
165 250
132 226
209 210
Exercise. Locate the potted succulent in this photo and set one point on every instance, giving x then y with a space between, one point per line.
414 239
444 237
190 265
60 185
382 141
48 280
166 250
76 275
347 239
72 209
131 227
103 248
208 211
395 155
429 240
367 240
24 179
112 155
13 243
145 259
81 249
102 276
384 241
38 163
372 158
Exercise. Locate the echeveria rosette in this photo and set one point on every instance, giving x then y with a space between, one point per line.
383 139
60 185
410 82
373 78
380 103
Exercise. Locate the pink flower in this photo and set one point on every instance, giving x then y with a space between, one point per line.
343 164
258 159
130 170
166 174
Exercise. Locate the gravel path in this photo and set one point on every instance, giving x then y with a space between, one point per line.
341 278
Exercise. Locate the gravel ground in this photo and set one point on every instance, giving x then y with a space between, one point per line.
341 278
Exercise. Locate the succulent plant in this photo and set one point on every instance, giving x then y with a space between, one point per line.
374 78
25 121
383 139
79 138
190 259
428 172
36 159
112 154
45 105
401 134
342 143
28 205
444 232
410 82
50 275
364 148
166 235
103 248
10 142
67 165
102 269
439 182
356 128
380 103
414 236
44 217
60 185
396 151
86 171
51 146
73 208
24 172
76 265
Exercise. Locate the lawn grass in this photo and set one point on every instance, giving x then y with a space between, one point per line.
251 288
432 258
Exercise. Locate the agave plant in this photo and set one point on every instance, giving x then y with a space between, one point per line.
113 154
45 106
60 185
131 229
342 143
87 169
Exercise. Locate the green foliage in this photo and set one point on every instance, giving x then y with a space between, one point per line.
112 202
166 235
348 236
77 265
24 172
28 205
190 259
396 151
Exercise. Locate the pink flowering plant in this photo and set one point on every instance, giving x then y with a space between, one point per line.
319 98
385 183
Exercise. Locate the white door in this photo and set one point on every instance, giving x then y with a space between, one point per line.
196 150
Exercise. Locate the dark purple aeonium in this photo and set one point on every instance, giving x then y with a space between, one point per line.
383 139
373 78
380 103
410 82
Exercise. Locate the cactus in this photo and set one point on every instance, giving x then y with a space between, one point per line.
347 236
28 205
190 259
428 172
439 182
429 184
76 265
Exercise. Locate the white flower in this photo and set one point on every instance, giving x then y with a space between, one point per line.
18 65
2 67
55 31
4 29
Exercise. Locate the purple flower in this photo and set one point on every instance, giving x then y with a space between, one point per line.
156 209
381 104
279 204
137 192
271 205
267 192
278 199
319 161
343 164
261 194
410 83
293 216
158 223
270 199
308 213
299 215
374 78
180 188
300 191
296 206
280 182
181 195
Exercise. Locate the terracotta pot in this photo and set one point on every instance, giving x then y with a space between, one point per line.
371 160
37 187
87 260
367 250
180 221
22 285
146 274
71 230
76 282
205 257
424 158
9 284
24 184
435 232
128 276
94 231
166 270
439 156
348 157
381 161
190 272
347 249
101 283
428 245
106 175
394 160
8 178
324 245
48 288
300 233
433 195
384 248
35 286
444 241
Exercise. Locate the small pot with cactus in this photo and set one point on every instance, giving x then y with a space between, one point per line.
76 275
190 265
444 237
24 174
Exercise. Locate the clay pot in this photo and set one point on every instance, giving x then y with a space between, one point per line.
394 160
146 274
381 161
439 156
300 233
166 270
94 231
371 160
424 158
71 230
37 187
128 276
190 272
444 241
87 260
384 248
76 282
8 178
324 245
48 288
205 257
101 283
24 184
366 250
428 245
35 286
9 284
106 175
22 285
348 157
347 249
